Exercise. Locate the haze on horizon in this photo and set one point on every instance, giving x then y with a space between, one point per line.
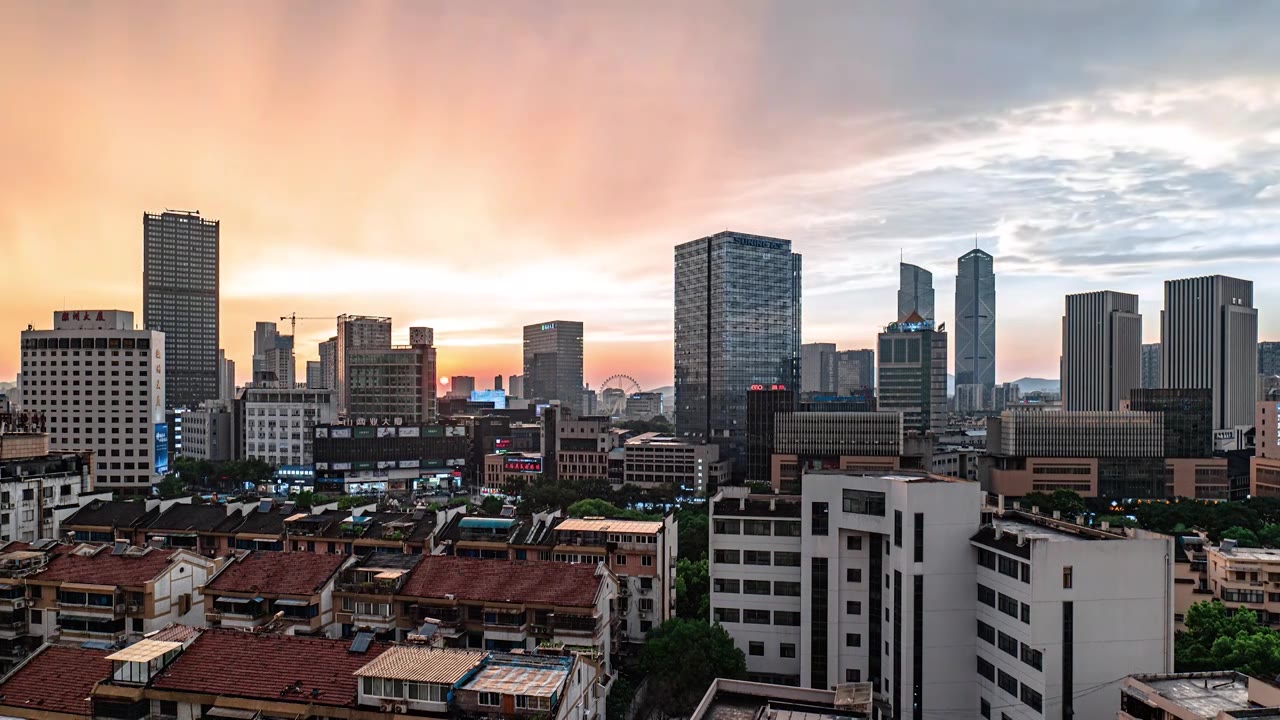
477 168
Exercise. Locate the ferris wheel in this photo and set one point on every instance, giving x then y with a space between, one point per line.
614 392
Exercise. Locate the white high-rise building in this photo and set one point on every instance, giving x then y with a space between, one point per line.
949 610
100 384
279 422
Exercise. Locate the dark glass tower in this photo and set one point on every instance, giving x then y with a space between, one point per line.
915 291
975 319
737 326
180 299
553 363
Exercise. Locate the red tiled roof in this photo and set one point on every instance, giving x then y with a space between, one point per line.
278 573
514 581
223 662
107 569
58 679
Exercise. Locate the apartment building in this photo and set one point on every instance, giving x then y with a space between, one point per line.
39 488
905 582
1241 577
279 422
1264 466
112 594
18 560
1198 696
290 593
208 431
662 460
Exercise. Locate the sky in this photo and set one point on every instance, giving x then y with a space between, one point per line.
476 167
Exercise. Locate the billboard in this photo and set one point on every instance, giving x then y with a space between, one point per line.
522 464
502 444
161 450
497 397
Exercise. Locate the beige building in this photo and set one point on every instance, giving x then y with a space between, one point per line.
1264 467
1197 696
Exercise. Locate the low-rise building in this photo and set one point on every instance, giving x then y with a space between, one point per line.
364 458
1198 696
656 460
290 593
509 471
741 699
208 431
279 422
39 489
1264 466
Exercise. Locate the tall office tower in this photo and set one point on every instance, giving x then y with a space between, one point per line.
855 372
553 362
355 332
497 382
1151 365
763 406
915 291
515 386
329 364
1269 358
1209 339
737 325
315 378
1101 350
462 386
975 319
818 368
272 355
913 374
85 404
226 377
180 299
384 382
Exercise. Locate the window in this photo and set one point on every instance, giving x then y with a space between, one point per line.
728 527
724 585
619 559
490 699
986 669
851 675
646 561
1007 566
852 640
984 708
918 535
725 615
986 632
1008 606
853 542
1034 658
1032 698
756 587
786 528
986 595
751 616
853 575
853 607
786 559
783 617
756 557
864 502
897 528
788 589
986 559
1066 577
756 527
787 650
1008 644
727 557
755 648
818 522
1026 613
1007 683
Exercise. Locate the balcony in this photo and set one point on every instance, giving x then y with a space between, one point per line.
11 629
80 608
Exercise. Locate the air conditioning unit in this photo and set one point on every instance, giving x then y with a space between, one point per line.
133 608
19 604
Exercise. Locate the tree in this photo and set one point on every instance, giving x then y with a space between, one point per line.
693 589
682 657
693 531
594 507
171 486
1067 502
1215 640
491 505
1269 535
1117 521
1244 537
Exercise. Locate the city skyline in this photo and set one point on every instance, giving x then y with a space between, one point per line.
370 160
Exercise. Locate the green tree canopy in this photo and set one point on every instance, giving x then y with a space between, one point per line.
491 505
682 657
1244 537
1216 640
693 589
595 507
693 531
1269 536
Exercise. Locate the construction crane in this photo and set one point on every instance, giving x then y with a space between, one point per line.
293 319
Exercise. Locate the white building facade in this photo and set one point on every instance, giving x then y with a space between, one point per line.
100 385
279 422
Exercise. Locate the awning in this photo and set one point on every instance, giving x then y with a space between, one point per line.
234 713
293 603
232 600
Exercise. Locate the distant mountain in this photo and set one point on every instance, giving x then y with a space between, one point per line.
6 386
1030 384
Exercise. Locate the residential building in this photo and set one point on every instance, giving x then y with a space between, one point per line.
1269 358
743 699
38 488
645 406
975 319
315 378
515 386
855 372
915 291
856 441
368 458
818 367
101 593
355 333
913 374
1101 350
279 422
290 593
737 326
1151 365
660 460
55 683
273 360
1264 466
328 351
226 377
1209 339
553 363
104 521
1239 577
106 393
208 432
378 381
180 294
1220 695
583 445
462 386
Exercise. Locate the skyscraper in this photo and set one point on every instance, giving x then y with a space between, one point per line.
976 319
855 372
315 378
1101 350
817 367
1209 339
913 373
226 377
915 291
1269 358
737 326
1151 365
272 355
382 382
355 332
329 364
553 363
515 386
180 299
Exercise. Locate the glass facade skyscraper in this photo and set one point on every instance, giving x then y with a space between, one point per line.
553 363
737 326
976 319
180 299
915 292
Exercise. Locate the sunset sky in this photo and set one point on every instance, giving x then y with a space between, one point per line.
479 166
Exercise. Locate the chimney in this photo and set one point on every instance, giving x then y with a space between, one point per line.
1057 514
1079 519
999 532
1000 504
1106 525
1035 509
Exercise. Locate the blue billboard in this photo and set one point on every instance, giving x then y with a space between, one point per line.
497 397
161 451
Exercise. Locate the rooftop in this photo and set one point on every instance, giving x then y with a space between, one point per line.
1255 554
742 700
189 517
327 677
278 573
642 527
521 675
102 566
1205 694
57 679
424 664
110 513
504 581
